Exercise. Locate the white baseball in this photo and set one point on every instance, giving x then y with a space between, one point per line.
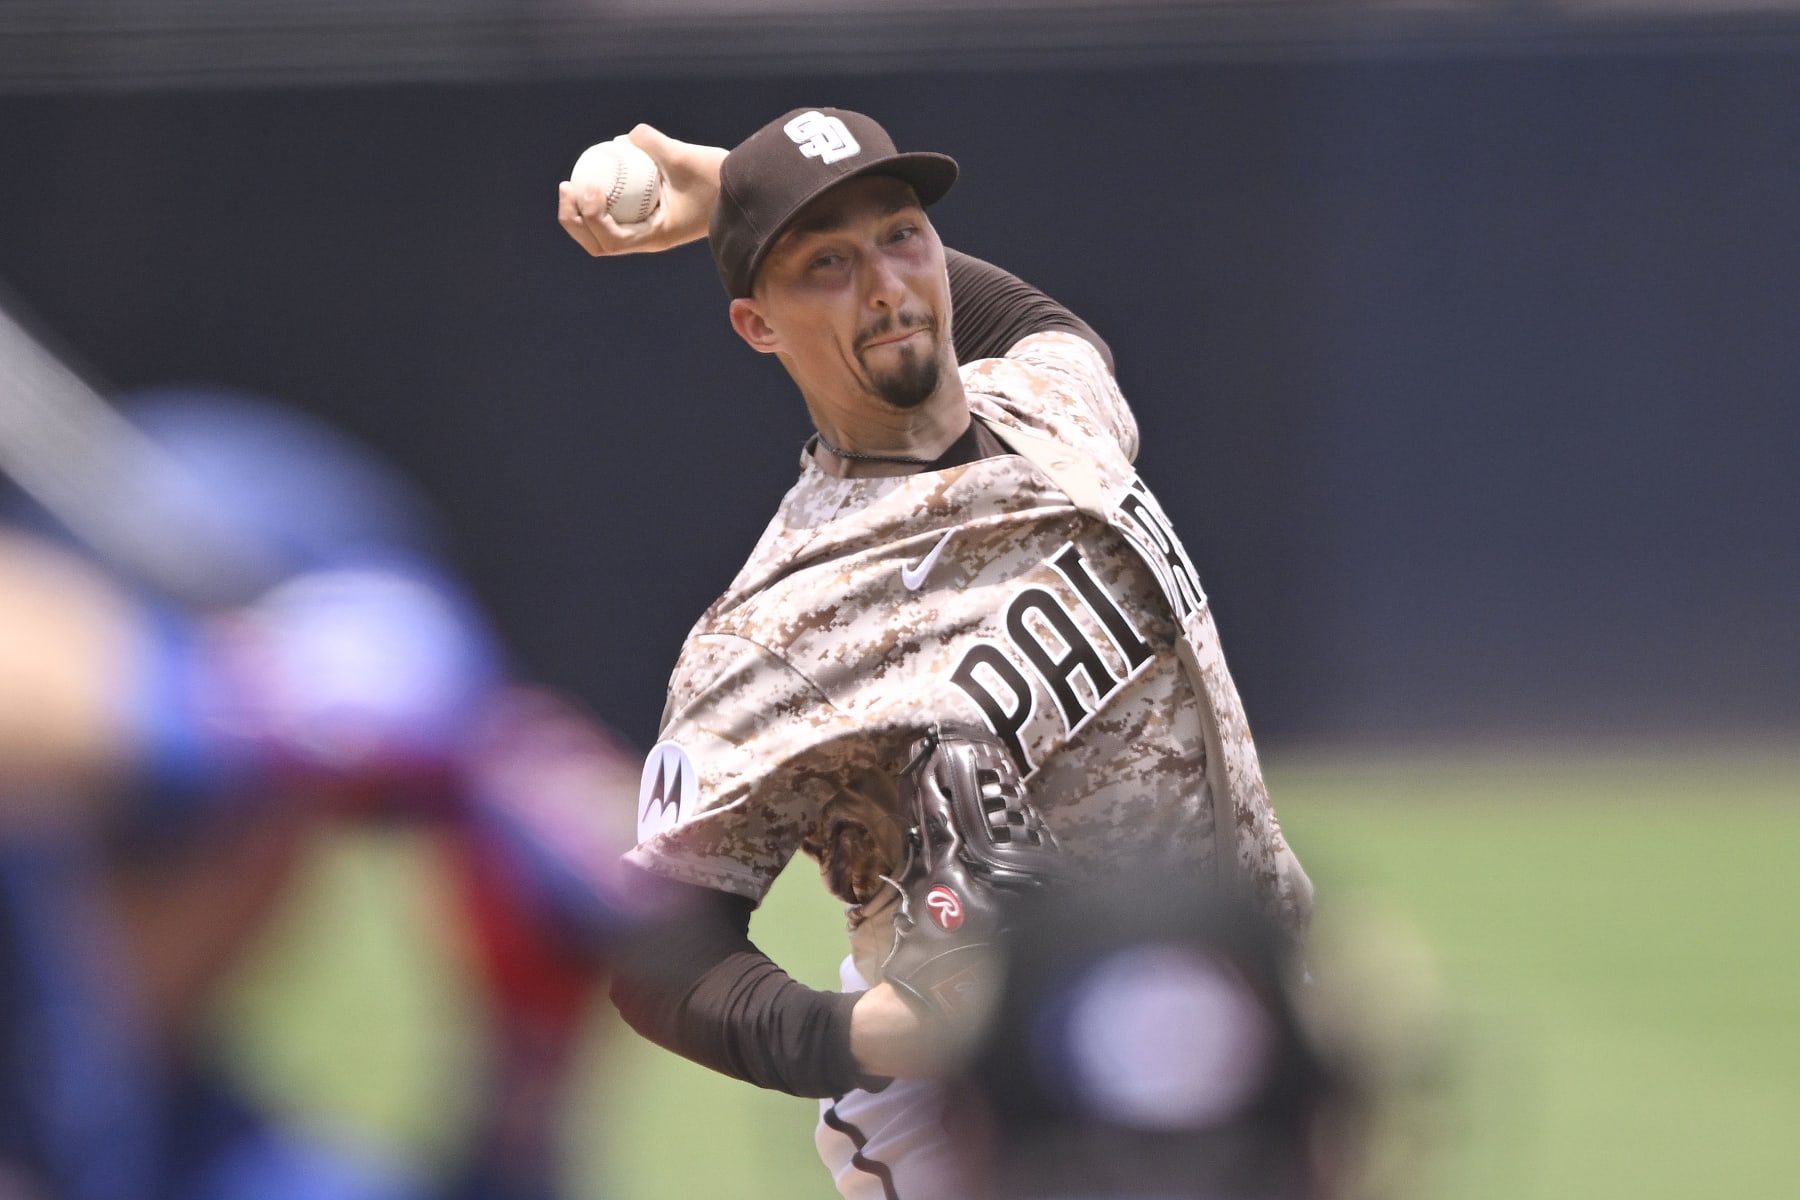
624 175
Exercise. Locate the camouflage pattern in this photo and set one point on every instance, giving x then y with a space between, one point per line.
1058 611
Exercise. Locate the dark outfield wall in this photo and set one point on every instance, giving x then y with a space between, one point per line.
1473 383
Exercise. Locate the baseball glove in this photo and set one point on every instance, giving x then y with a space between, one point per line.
974 845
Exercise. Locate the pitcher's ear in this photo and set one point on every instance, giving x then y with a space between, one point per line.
747 319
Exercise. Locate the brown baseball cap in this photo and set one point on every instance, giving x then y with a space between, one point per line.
782 167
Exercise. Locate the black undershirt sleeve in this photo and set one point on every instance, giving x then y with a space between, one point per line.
694 983
993 310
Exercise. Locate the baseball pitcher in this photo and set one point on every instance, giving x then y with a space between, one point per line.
968 658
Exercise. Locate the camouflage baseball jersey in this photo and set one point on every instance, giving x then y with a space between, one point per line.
1041 594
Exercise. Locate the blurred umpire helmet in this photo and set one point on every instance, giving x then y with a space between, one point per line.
1148 1044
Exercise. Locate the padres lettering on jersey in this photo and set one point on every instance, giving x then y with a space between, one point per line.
1045 632
1062 654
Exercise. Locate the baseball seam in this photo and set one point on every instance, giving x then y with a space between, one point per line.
648 203
618 184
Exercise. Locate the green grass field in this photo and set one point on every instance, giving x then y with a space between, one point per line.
1608 947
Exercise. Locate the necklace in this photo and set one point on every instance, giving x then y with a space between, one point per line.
904 460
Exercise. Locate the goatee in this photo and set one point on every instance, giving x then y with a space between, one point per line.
912 382
916 376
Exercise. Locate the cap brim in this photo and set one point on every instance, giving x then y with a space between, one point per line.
929 174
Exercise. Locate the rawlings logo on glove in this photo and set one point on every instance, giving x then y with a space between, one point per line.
973 845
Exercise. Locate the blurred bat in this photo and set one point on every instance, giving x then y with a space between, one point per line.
110 484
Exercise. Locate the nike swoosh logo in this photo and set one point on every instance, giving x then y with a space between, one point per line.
914 576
